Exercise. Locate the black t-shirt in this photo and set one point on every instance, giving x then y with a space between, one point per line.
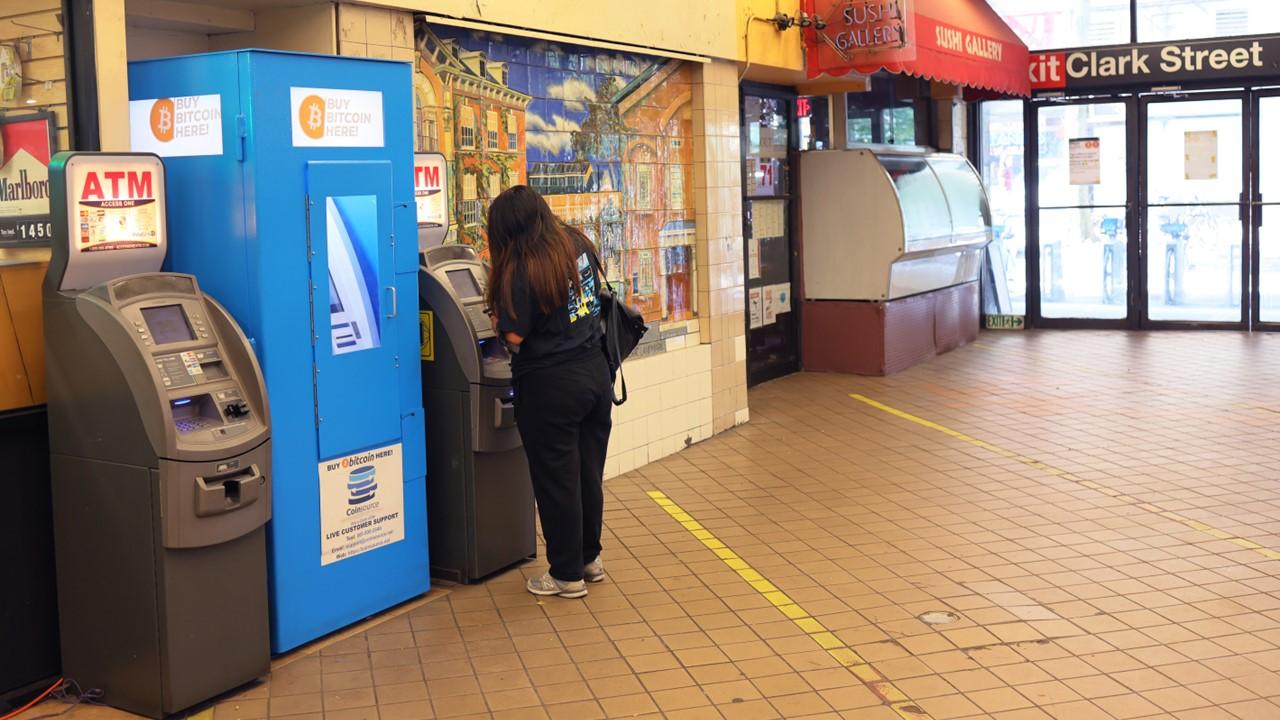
566 333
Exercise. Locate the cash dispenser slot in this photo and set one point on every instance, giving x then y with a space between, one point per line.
223 493
195 413
504 411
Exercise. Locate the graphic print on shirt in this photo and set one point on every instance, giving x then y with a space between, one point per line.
585 303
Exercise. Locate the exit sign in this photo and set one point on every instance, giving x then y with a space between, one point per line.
1005 322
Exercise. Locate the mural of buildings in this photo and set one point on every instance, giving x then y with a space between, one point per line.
468 111
605 137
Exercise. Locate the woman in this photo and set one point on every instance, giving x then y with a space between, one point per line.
542 298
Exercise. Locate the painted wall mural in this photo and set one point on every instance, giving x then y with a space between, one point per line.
606 137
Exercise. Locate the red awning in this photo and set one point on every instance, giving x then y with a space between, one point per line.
963 42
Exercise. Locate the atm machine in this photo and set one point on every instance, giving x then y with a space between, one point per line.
292 177
479 498
160 453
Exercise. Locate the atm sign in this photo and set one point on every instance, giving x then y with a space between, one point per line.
117 188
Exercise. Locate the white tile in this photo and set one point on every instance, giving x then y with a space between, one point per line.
741 417
740 348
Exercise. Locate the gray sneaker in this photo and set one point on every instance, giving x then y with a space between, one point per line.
593 572
547 585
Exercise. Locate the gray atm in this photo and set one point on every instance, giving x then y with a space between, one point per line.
479 498
160 453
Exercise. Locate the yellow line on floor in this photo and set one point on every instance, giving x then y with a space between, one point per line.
827 640
1066 475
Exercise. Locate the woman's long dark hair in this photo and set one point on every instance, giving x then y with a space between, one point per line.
525 236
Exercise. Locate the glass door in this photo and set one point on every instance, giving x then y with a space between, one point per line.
1081 211
1266 212
772 322
1193 210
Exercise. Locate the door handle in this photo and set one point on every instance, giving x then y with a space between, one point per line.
395 303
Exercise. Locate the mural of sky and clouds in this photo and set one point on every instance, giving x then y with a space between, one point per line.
562 80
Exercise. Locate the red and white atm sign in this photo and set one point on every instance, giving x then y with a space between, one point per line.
116 204
431 196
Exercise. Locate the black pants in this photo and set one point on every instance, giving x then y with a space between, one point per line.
563 412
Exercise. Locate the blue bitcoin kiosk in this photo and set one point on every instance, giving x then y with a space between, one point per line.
291 200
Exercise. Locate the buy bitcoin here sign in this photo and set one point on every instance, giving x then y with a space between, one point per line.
336 118
177 126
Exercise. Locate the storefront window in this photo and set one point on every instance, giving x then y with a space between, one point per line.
1160 20
1045 24
814 124
886 112
1001 161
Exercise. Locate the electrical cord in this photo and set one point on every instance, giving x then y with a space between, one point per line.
67 691
35 702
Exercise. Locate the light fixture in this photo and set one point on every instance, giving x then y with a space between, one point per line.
783 21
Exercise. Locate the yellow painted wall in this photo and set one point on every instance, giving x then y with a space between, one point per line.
702 27
308 28
759 42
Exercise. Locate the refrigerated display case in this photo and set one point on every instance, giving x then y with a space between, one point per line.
892 249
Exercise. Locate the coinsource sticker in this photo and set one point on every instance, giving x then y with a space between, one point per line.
361 503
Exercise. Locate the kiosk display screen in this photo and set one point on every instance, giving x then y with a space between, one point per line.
464 283
168 324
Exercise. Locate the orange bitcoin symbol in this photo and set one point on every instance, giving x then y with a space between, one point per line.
311 116
162 119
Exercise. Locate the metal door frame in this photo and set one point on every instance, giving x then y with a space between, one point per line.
1256 202
1248 250
788 96
1031 153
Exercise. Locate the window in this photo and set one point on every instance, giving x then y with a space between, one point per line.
553 59
472 207
491 129
644 187
1162 20
1045 25
675 187
432 143
513 130
466 128
495 185
1001 163
886 112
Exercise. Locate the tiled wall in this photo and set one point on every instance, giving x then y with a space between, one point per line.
375 32
698 386
718 192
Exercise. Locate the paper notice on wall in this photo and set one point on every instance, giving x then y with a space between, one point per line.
1085 159
753 258
768 218
781 298
755 313
768 305
1200 161
361 503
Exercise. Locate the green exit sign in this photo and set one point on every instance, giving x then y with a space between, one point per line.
1006 322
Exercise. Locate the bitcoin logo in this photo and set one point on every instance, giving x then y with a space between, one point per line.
311 116
162 119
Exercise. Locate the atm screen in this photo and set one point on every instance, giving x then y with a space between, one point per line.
464 283
168 324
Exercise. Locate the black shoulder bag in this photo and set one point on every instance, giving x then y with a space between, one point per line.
623 328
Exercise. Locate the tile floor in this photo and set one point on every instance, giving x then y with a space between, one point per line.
1098 510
